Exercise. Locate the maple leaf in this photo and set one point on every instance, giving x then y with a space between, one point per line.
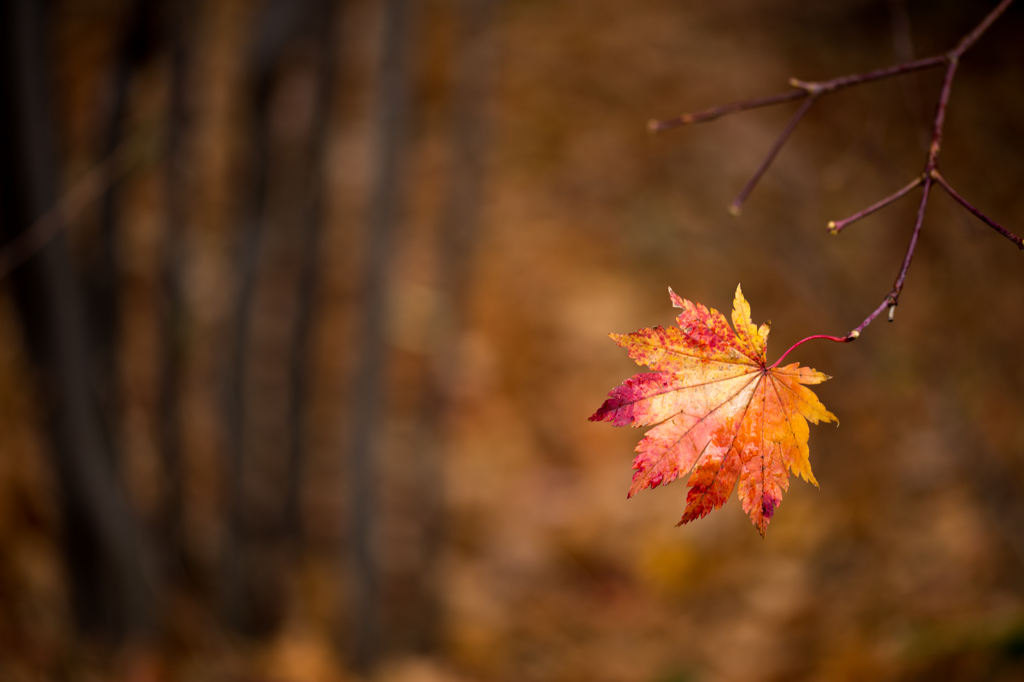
721 411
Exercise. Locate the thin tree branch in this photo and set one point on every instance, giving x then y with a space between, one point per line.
802 89
897 287
660 126
807 90
930 175
984 218
836 226
737 203
968 40
871 318
892 299
829 86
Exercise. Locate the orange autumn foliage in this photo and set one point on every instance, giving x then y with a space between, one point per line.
720 410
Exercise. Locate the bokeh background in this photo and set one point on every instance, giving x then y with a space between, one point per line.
297 357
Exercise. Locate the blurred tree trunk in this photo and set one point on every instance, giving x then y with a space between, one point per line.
367 392
475 70
270 34
277 23
172 297
110 588
102 271
309 262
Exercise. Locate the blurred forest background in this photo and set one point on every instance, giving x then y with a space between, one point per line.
304 309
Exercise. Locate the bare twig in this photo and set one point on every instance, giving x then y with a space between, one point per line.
656 126
810 91
737 203
803 89
968 40
930 173
836 226
894 296
984 218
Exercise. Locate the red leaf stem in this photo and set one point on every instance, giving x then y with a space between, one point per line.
837 339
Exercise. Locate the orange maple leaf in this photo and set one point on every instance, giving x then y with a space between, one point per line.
720 411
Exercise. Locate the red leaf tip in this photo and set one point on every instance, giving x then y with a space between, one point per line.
676 301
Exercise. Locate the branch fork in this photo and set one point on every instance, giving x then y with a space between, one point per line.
809 92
